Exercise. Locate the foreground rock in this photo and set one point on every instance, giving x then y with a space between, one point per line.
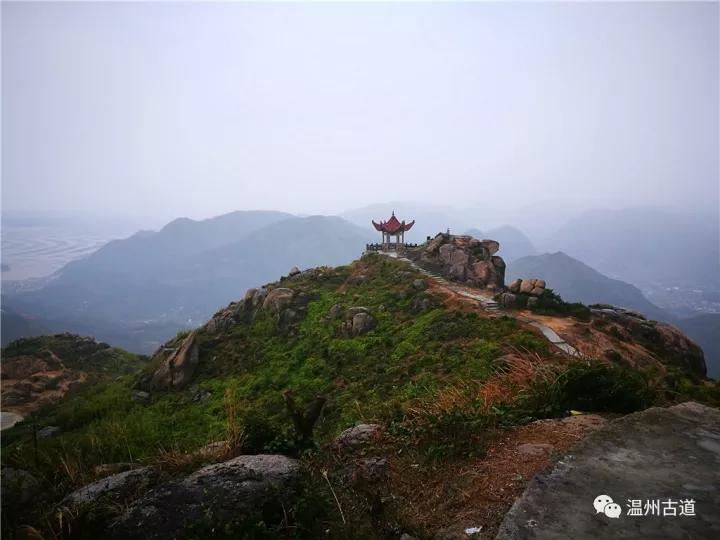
658 454
115 489
464 259
223 497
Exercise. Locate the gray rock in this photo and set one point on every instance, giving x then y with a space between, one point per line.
118 488
514 286
47 432
294 271
335 312
223 496
660 453
351 312
358 435
362 323
508 300
177 370
140 396
420 303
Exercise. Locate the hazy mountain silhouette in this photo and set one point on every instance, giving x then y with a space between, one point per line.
138 291
578 282
15 325
644 246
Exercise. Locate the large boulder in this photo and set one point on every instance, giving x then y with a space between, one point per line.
514 286
224 497
526 286
277 300
362 323
115 489
177 369
464 259
659 453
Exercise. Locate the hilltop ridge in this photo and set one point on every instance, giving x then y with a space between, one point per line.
374 374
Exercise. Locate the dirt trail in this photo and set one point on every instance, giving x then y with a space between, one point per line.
478 298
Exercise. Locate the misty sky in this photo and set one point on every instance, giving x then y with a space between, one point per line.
169 109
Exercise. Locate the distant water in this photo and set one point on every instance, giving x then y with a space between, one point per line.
9 419
32 252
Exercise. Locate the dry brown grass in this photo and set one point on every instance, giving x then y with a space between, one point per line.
235 434
516 375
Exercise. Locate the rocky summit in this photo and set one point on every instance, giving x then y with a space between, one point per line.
383 399
464 259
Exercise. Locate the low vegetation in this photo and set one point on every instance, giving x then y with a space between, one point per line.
442 381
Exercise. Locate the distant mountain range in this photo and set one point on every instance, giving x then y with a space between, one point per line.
577 282
139 291
644 246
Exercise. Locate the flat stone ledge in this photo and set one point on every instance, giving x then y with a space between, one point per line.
660 453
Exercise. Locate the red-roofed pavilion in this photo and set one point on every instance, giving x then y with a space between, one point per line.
393 227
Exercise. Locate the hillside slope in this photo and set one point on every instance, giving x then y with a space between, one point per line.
139 291
434 385
39 371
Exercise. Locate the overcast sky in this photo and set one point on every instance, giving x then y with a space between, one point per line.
170 109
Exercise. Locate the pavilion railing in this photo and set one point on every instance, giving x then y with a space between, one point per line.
390 246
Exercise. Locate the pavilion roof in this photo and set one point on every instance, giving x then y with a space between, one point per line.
393 225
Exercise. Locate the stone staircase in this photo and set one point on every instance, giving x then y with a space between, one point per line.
489 304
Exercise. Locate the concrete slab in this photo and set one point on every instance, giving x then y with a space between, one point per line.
661 454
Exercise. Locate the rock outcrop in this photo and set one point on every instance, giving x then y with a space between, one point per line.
225 497
532 287
177 366
118 488
657 337
358 436
464 259
660 453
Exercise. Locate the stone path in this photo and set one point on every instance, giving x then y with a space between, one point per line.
660 454
490 305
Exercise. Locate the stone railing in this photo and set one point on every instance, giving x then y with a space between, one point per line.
392 246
